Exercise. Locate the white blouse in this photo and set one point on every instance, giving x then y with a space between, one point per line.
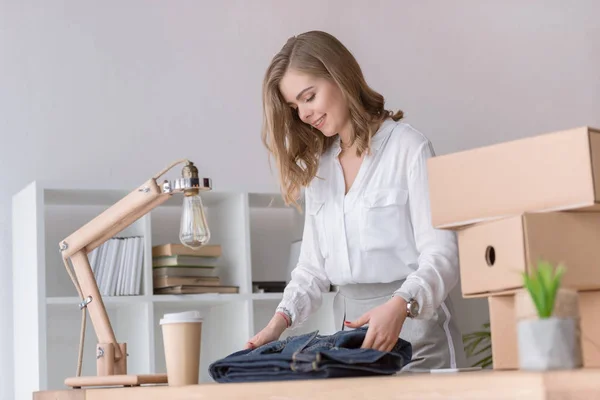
379 232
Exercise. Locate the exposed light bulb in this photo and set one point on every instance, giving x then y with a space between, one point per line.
193 231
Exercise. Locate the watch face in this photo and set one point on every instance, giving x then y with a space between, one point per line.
413 307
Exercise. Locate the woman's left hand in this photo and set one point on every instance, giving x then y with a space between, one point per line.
385 324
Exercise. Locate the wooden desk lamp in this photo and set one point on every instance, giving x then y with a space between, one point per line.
111 356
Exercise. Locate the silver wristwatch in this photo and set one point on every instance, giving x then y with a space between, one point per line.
412 308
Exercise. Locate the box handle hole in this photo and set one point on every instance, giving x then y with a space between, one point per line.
490 256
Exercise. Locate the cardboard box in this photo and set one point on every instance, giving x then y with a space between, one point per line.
503 327
494 254
566 305
550 172
589 309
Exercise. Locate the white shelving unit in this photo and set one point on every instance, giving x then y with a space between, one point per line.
255 231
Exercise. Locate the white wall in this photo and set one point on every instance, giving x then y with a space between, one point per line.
113 91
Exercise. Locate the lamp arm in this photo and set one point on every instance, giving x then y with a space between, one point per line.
93 234
123 213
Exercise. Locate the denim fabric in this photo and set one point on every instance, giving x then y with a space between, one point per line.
311 356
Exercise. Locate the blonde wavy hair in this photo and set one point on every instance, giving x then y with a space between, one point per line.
294 145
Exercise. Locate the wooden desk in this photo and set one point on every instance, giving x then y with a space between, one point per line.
493 385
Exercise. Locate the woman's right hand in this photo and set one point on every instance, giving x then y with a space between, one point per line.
270 333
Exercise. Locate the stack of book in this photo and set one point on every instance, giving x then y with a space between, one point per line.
117 266
177 269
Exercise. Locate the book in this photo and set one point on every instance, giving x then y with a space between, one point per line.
180 261
176 249
184 271
117 266
184 289
168 281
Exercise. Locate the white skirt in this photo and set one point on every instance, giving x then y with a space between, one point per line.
436 342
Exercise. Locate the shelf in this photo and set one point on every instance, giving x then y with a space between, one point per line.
198 299
255 231
108 197
279 296
201 299
267 296
108 300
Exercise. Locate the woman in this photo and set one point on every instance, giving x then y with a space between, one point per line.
367 226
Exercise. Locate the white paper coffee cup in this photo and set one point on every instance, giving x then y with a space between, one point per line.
182 335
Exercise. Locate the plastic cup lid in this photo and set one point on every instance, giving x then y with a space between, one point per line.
186 316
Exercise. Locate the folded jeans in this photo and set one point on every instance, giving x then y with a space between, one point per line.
311 356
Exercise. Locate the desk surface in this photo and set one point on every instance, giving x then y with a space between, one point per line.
554 385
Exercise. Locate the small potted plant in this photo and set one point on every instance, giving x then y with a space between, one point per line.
549 341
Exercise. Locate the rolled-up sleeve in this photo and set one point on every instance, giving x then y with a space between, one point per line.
303 294
438 269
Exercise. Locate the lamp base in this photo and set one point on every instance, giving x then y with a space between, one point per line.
116 380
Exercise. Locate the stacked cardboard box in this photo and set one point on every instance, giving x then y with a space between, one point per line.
513 204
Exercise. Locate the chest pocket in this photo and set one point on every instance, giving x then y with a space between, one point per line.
315 209
385 220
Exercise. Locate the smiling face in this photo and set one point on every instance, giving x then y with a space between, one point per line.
337 100
319 102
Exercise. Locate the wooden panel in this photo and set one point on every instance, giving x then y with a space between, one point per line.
487 384
132 380
60 395
595 149
503 325
589 308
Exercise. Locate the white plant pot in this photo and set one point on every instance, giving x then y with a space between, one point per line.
550 343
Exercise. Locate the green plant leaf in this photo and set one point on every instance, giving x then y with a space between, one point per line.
479 343
544 272
532 286
555 284
484 362
482 350
470 348
473 335
543 283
